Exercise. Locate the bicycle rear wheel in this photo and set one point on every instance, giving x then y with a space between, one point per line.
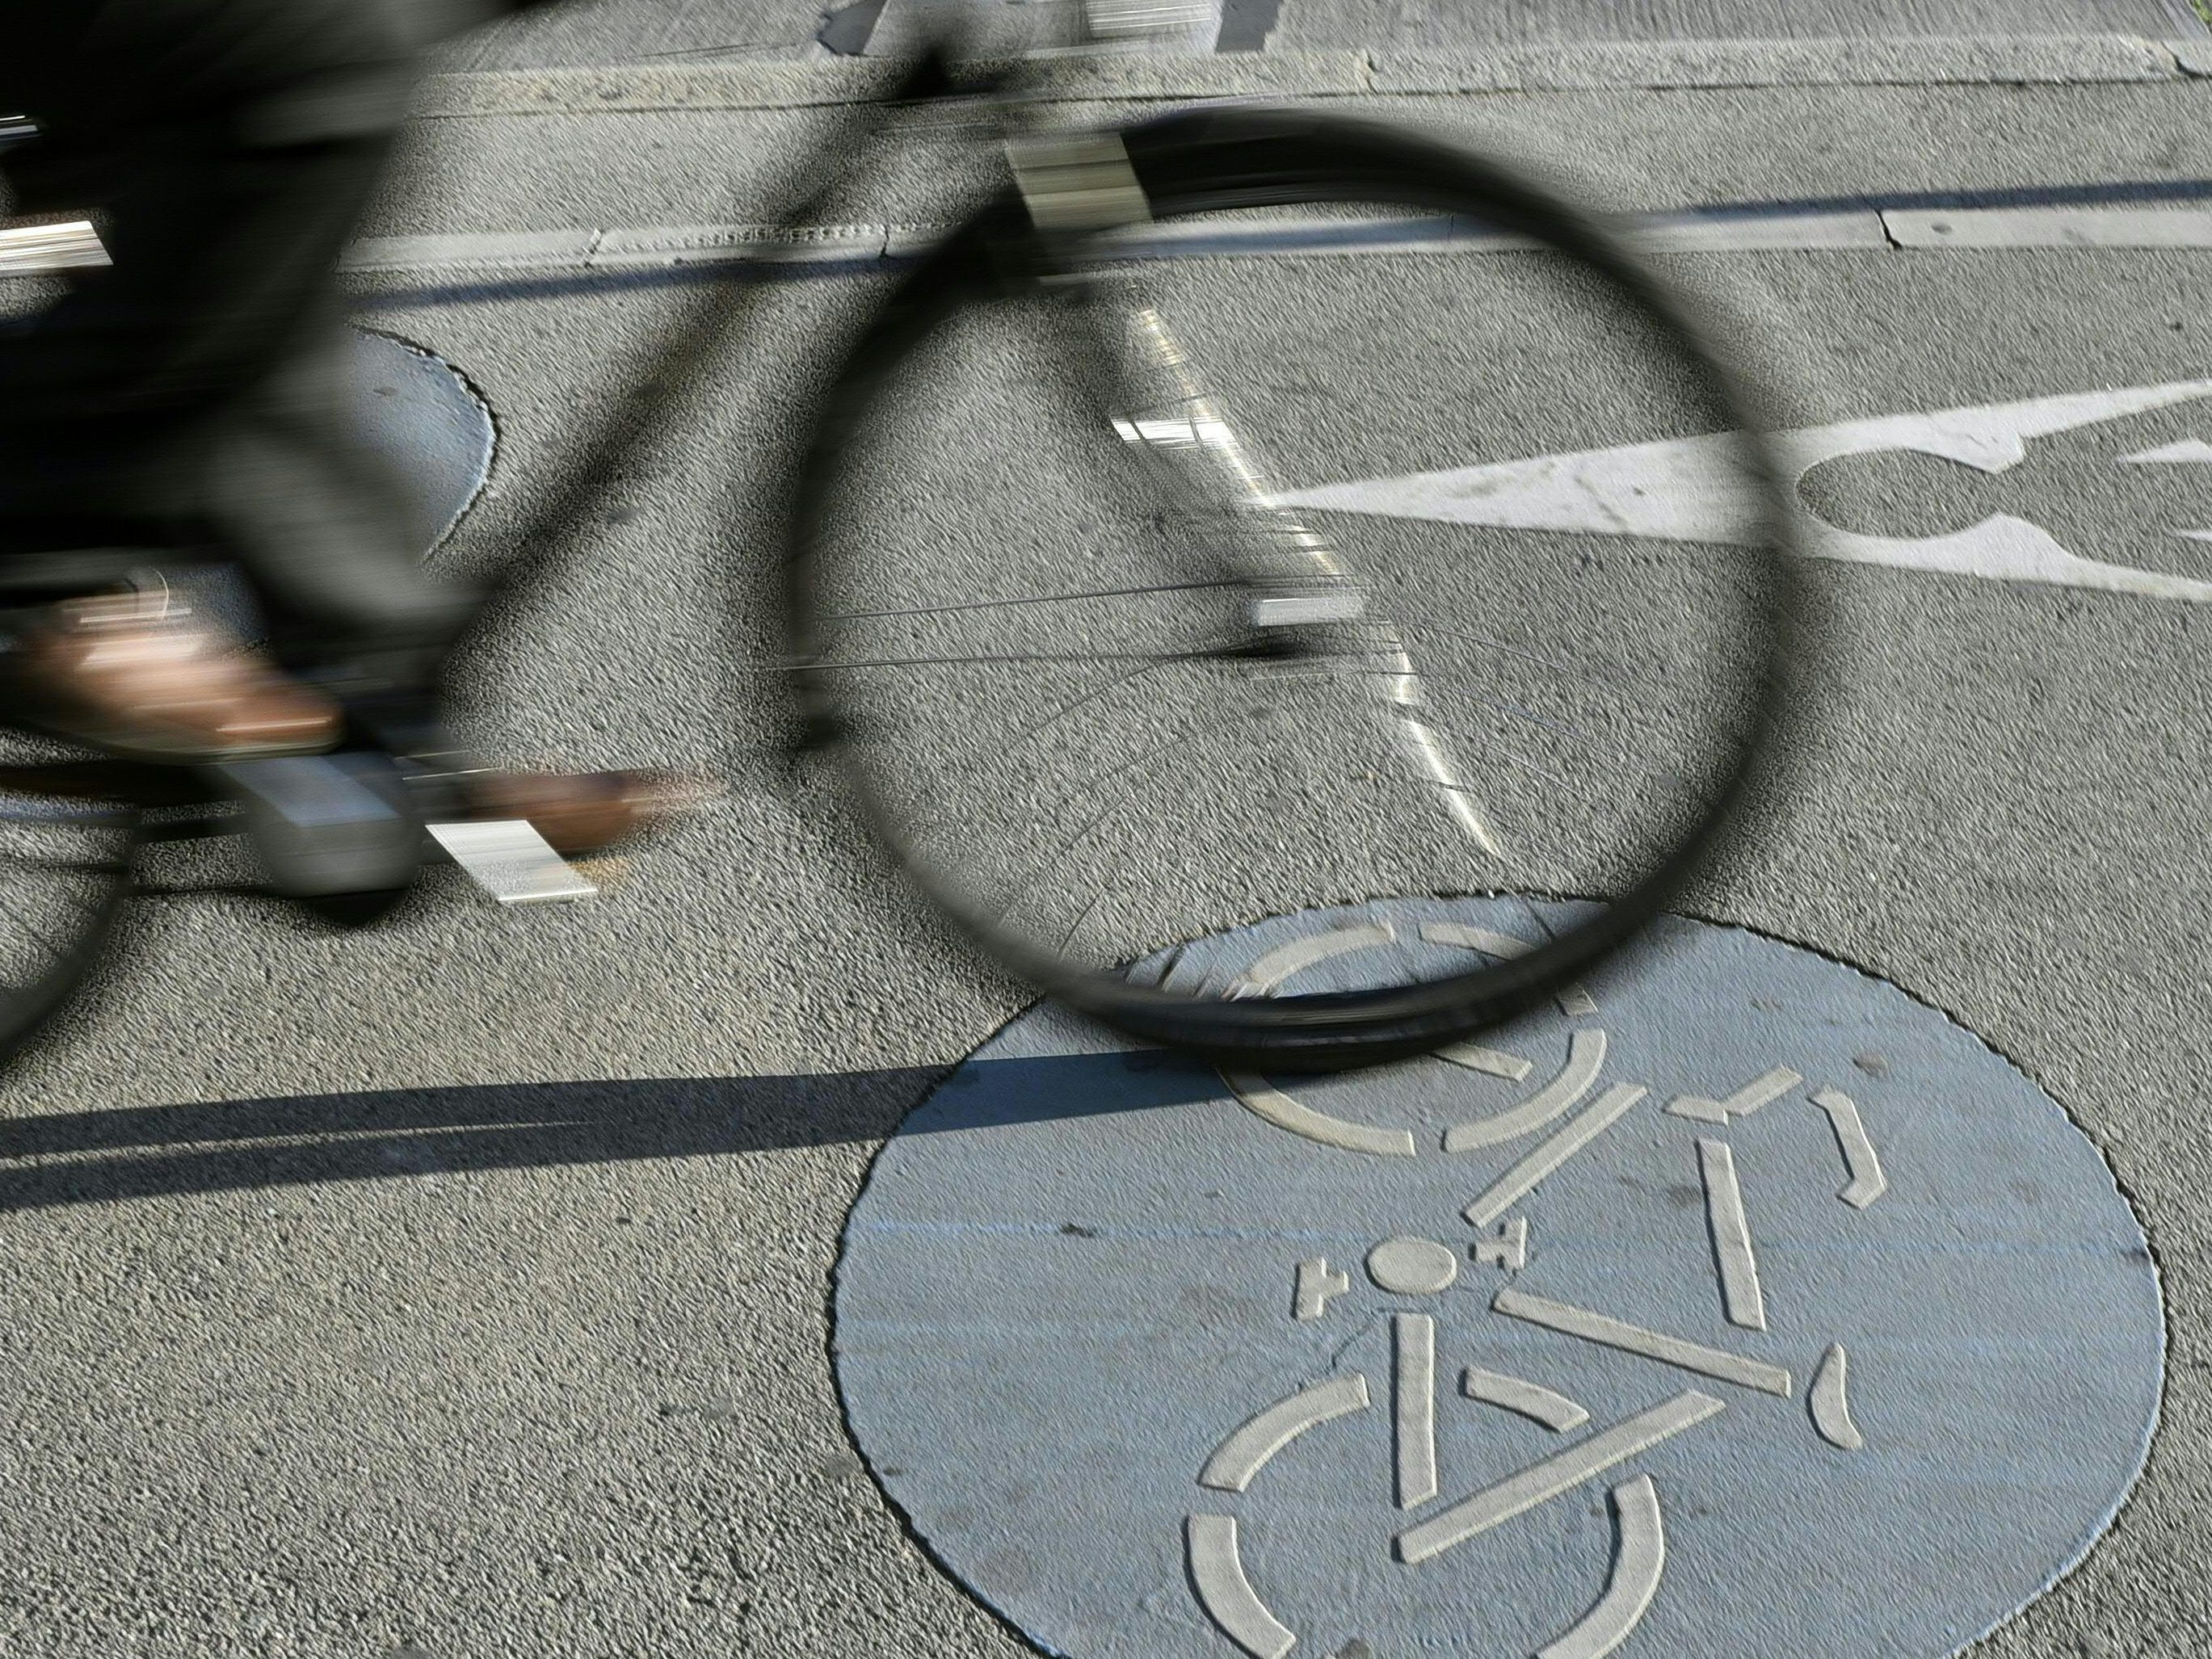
1548 674
67 850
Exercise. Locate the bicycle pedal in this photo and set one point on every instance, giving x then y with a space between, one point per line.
1308 609
510 860
325 825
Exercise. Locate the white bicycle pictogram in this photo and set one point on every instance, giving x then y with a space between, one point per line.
1414 1272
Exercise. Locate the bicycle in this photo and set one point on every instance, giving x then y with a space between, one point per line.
1234 606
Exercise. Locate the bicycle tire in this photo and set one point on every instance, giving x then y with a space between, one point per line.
1207 161
68 864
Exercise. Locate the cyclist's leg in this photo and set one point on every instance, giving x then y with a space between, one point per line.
322 523
229 147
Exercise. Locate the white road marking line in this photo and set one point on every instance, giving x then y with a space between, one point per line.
28 250
1740 1298
1270 1104
1560 1472
1493 1062
1216 1570
1245 1452
1285 960
1574 1001
1861 1160
1531 1400
1318 1282
1414 1400
2050 227
1830 1401
2189 452
1639 1557
1507 1247
1576 1134
1702 489
32 249
1762 1088
1585 1059
1678 1351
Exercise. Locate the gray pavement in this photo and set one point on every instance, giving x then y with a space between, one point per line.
463 1288
589 31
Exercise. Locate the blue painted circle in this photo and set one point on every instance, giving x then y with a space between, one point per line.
1075 1274
427 427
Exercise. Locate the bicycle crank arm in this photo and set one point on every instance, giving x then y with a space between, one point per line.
346 827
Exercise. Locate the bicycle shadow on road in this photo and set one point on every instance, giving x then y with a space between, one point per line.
119 1155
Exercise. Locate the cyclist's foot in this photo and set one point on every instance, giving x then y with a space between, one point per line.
585 811
138 675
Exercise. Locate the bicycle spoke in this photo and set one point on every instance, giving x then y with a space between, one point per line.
1612 673
1093 822
1003 749
1031 600
1009 659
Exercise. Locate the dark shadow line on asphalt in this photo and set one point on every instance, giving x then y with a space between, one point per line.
491 291
117 1156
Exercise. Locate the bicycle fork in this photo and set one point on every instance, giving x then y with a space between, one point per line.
1300 600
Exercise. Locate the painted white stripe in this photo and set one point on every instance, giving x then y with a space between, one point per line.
1493 1062
1285 961
1531 1400
1576 1134
1699 490
32 249
1217 1570
1574 1001
1831 1401
1413 1403
1586 1059
1740 1298
1861 1160
2050 227
2188 451
1679 1352
527 248
2073 60
1264 1100
1561 1472
1350 234
1639 1555
1760 1091
27 250
1694 233
1245 1452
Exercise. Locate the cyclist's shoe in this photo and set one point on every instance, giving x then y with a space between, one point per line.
138 675
585 811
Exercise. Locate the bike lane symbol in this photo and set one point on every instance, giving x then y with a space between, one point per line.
1420 1270
1762 1274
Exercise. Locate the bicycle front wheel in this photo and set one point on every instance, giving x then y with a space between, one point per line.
1543 547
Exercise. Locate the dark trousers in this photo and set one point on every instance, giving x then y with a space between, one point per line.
188 401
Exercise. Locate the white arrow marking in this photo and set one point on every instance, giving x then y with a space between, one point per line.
1702 489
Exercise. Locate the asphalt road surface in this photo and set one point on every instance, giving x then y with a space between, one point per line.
587 31
462 1288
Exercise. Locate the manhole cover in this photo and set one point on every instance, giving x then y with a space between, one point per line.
1737 1305
420 418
